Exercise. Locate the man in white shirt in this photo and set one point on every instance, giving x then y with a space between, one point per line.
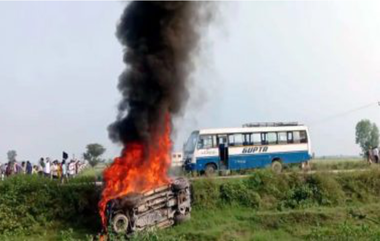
2 171
71 168
47 169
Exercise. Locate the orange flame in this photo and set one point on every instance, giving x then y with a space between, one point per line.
138 169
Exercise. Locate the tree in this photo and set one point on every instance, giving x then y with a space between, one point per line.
367 135
93 153
12 155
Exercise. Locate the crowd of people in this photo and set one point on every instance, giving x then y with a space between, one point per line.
45 167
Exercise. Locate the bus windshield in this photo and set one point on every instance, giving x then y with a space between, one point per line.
191 142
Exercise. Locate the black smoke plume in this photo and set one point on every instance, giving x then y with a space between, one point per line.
159 40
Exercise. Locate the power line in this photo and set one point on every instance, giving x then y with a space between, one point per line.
344 113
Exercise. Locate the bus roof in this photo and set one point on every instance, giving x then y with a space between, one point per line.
252 129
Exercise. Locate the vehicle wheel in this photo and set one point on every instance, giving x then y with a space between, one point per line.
131 200
120 223
180 218
210 169
179 184
277 166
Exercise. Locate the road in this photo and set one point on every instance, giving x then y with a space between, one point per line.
307 173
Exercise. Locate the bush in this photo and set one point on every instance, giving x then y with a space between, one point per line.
327 191
267 190
29 201
239 193
32 201
205 194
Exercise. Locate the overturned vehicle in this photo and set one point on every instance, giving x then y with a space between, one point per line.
158 208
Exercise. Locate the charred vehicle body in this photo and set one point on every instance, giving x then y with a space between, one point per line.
158 208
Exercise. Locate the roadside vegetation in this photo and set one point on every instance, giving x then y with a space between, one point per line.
264 206
35 206
329 164
317 164
267 206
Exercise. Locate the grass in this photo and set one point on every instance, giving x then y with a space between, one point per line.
234 223
55 232
95 172
265 206
240 224
324 164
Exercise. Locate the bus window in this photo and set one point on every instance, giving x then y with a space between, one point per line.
205 142
231 140
247 140
256 139
303 137
238 139
299 137
290 137
191 143
272 138
222 139
235 140
264 140
282 138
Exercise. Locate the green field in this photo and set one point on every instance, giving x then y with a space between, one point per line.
323 164
317 164
237 223
264 206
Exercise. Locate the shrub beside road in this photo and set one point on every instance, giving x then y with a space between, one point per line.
264 206
32 205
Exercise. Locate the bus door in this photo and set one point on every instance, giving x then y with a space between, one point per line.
223 151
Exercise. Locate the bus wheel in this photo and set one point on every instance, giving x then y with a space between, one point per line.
210 169
277 166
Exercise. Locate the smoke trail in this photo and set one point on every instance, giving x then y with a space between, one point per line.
159 40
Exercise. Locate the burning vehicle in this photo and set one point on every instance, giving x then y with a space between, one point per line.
160 207
160 41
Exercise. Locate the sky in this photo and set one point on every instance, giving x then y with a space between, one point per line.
259 61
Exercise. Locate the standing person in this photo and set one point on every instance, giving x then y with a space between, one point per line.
375 153
18 169
54 170
370 155
42 162
47 169
71 170
35 170
3 168
29 168
9 170
64 171
23 167
59 169
76 167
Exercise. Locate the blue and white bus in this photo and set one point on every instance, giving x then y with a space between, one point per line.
255 145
